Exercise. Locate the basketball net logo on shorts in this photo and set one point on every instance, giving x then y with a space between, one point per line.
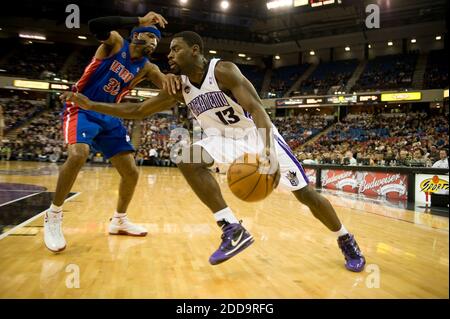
292 177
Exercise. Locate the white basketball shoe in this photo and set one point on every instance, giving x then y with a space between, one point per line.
122 226
53 235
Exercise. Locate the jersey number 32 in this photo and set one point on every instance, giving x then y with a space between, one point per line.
112 87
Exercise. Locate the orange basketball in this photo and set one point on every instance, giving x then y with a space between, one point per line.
246 182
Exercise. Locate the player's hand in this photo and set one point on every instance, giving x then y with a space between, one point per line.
77 98
152 18
172 83
268 164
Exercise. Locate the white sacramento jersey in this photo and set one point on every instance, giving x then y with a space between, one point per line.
216 112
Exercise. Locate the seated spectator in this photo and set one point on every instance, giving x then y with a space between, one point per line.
443 160
418 159
349 159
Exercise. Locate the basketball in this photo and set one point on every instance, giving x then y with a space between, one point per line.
247 183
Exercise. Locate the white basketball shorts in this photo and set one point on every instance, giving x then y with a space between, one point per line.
224 150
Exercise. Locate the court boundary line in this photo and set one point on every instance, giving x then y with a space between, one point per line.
20 198
392 217
6 234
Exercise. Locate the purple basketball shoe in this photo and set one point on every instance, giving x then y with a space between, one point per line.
235 238
354 260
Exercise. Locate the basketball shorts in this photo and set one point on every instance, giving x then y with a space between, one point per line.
225 150
101 132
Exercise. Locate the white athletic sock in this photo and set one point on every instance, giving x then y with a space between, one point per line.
227 215
55 209
341 232
119 215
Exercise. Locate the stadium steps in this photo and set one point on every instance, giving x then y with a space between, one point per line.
314 138
302 78
69 61
6 57
266 82
419 73
356 75
11 133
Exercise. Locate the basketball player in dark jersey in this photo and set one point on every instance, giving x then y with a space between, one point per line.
117 66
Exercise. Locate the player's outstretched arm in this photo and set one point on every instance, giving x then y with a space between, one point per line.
168 82
103 29
150 106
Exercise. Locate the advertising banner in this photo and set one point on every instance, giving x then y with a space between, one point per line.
372 184
311 174
427 184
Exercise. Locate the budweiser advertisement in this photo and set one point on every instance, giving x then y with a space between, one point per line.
372 184
426 184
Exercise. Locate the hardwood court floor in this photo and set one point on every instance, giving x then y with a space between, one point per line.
294 256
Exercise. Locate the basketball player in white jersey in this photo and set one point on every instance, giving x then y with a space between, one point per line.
220 98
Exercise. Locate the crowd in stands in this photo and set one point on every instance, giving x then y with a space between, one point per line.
390 72
385 139
436 75
40 140
156 142
413 139
16 111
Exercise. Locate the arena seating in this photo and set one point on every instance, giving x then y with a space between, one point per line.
436 75
284 77
254 74
17 111
36 60
383 139
297 130
327 75
387 73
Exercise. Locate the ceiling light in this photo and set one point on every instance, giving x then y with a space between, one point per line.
32 36
278 4
224 5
